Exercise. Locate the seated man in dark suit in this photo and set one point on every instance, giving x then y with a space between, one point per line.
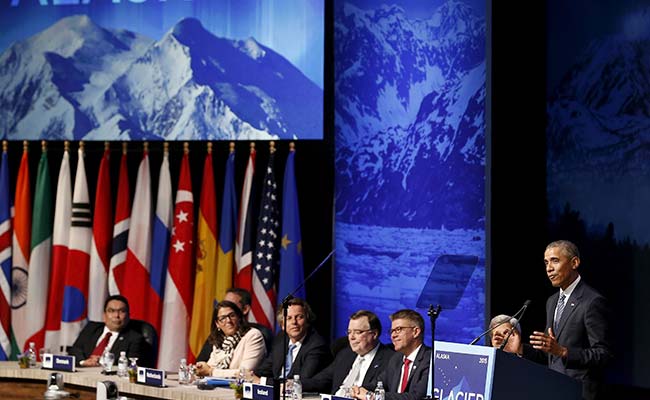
358 364
115 333
307 351
407 373
242 298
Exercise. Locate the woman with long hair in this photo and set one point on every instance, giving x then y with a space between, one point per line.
235 344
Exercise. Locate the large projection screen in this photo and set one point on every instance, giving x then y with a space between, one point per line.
161 70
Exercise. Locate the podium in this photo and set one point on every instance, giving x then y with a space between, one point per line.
483 373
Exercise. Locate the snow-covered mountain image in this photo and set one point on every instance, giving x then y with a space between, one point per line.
410 126
599 134
77 80
410 157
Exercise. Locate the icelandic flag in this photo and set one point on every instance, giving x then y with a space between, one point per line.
75 292
177 306
60 240
291 265
5 260
161 224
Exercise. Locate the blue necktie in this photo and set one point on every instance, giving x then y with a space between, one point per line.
289 361
558 313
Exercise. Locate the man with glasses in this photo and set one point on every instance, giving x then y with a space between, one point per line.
407 373
307 351
115 333
358 364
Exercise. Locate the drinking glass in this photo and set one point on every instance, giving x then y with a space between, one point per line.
41 352
109 359
133 369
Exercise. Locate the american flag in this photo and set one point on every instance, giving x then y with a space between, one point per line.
266 255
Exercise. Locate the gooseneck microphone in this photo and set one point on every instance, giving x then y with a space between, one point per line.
521 315
513 321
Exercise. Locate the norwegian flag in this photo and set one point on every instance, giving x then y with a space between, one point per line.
60 240
177 307
244 245
100 249
120 227
266 255
5 259
75 293
135 272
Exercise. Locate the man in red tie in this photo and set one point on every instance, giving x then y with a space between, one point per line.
407 373
116 333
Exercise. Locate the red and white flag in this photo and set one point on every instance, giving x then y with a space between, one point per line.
121 226
244 246
135 272
75 294
60 239
100 248
177 307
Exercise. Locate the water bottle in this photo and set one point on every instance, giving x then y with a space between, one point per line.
183 373
380 393
297 388
31 354
122 365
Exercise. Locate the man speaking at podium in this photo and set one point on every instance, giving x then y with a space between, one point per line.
576 339
115 334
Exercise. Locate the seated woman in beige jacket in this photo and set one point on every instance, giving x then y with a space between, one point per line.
235 344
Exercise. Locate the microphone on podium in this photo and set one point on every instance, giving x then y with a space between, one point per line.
513 321
521 315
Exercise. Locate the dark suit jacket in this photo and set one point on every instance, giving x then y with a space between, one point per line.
206 350
416 387
129 340
330 379
584 331
314 355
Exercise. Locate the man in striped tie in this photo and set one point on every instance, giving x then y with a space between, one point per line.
576 339
117 333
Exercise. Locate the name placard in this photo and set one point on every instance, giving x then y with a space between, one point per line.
58 363
257 392
151 377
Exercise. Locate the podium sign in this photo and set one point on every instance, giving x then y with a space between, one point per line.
463 372
484 373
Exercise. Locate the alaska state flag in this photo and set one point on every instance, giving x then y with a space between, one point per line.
291 266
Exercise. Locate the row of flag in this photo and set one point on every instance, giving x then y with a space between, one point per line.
61 259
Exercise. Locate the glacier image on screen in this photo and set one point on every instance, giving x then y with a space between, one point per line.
410 158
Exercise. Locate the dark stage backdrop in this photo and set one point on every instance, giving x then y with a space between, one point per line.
598 160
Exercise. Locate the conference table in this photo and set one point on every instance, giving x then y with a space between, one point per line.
30 383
